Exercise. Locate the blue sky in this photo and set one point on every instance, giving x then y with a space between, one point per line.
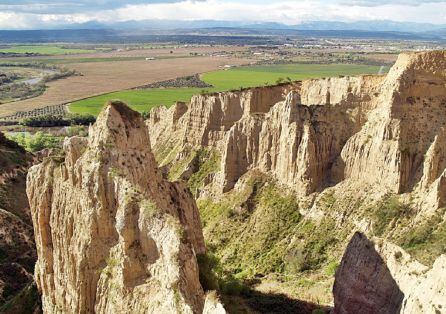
25 14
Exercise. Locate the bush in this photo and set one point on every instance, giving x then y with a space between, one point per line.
207 263
386 212
45 121
81 119
145 115
77 130
57 120
427 240
36 142
232 286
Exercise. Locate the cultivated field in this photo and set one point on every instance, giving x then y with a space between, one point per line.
45 50
108 74
144 100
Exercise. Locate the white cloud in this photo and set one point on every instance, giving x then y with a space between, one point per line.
283 11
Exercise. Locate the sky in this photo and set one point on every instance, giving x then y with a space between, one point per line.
35 14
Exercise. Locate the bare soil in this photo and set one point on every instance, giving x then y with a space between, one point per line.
104 77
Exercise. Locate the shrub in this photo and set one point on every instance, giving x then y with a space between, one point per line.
81 119
145 115
57 120
207 264
331 268
77 130
232 286
387 211
426 241
36 142
44 121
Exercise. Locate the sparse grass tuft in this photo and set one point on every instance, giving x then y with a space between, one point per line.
387 212
208 163
427 240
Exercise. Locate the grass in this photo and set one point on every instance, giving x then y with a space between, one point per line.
251 240
208 163
35 142
140 100
426 240
45 50
222 80
265 75
387 213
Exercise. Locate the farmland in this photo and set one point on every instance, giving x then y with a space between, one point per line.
235 78
104 72
112 71
44 50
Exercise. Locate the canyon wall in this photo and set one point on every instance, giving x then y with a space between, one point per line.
381 131
378 277
354 141
112 235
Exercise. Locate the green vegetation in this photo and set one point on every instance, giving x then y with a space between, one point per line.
22 83
251 229
222 80
52 120
427 240
77 130
35 142
387 212
271 74
149 207
140 100
45 50
208 163
20 91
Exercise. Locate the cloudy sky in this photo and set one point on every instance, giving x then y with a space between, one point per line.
29 14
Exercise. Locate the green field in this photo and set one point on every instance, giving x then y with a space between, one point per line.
144 100
45 50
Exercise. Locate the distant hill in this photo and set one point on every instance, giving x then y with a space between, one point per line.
378 26
251 34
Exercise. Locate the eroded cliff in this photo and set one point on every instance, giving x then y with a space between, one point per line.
369 130
329 156
376 276
112 235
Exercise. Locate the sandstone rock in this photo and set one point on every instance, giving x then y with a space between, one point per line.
212 305
368 130
379 277
363 282
112 235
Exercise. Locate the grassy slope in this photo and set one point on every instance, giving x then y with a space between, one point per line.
144 100
47 50
256 234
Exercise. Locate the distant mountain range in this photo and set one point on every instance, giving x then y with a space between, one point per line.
380 26
208 31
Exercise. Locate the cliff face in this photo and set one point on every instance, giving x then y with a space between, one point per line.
17 248
359 153
284 174
366 131
379 277
111 233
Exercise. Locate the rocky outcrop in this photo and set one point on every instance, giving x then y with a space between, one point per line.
112 235
379 277
357 141
383 131
209 117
